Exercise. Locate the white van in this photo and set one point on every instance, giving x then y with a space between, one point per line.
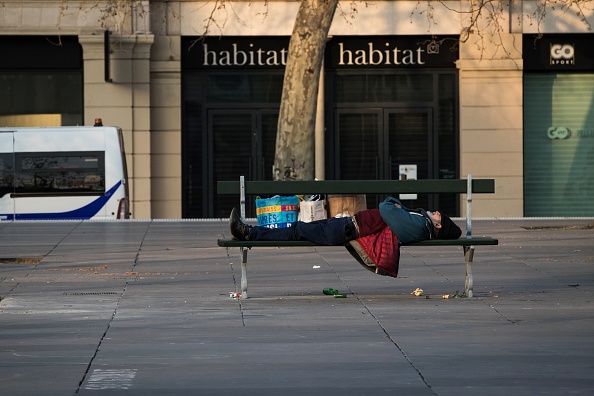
63 173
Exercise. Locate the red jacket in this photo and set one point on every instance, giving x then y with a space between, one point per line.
377 246
383 250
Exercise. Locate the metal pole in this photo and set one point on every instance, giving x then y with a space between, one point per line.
469 207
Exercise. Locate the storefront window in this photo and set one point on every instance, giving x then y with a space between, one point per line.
41 81
446 121
225 113
558 144
41 98
383 108
376 88
241 88
385 120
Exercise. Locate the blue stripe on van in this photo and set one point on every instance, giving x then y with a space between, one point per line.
84 213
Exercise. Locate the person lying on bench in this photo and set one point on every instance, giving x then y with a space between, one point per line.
409 225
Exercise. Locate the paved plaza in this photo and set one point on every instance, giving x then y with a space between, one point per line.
144 308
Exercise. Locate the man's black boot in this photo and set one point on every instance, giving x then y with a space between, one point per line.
239 229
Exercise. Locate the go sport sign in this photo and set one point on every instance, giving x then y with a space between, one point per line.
563 133
562 54
571 52
341 52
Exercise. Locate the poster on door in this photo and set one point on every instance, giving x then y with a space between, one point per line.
408 172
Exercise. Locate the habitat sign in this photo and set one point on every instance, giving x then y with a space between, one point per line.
246 52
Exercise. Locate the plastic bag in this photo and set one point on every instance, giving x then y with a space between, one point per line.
278 211
312 210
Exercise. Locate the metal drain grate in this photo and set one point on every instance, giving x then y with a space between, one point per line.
91 294
20 260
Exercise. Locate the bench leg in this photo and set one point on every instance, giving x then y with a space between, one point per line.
244 287
468 256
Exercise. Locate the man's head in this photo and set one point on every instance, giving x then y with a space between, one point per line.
444 227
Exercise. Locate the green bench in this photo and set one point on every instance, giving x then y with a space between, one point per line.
468 186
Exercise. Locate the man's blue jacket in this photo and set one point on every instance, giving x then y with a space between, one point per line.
410 225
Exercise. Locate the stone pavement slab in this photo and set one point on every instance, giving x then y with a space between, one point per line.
143 307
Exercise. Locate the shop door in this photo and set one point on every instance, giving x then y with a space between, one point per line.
242 143
372 144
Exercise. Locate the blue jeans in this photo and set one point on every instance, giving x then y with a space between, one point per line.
333 231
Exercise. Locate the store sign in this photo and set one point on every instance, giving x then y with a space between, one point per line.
272 52
562 54
562 133
240 52
558 133
237 57
392 52
571 52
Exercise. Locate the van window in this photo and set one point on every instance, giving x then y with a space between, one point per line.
60 173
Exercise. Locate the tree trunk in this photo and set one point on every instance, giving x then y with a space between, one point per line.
294 156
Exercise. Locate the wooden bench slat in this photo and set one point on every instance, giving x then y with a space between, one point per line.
474 241
431 186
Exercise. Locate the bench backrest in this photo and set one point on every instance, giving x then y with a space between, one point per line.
297 187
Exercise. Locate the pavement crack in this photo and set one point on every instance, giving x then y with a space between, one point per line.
113 315
392 340
237 287
36 264
510 320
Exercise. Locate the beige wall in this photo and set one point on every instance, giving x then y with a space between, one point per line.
491 123
125 102
166 122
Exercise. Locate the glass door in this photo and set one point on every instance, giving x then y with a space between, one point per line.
242 143
359 141
372 144
408 140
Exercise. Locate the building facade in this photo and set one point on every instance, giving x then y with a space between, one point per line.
402 96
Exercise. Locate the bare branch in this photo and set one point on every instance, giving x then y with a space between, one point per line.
487 21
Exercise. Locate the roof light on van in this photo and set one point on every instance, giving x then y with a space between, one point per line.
98 122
